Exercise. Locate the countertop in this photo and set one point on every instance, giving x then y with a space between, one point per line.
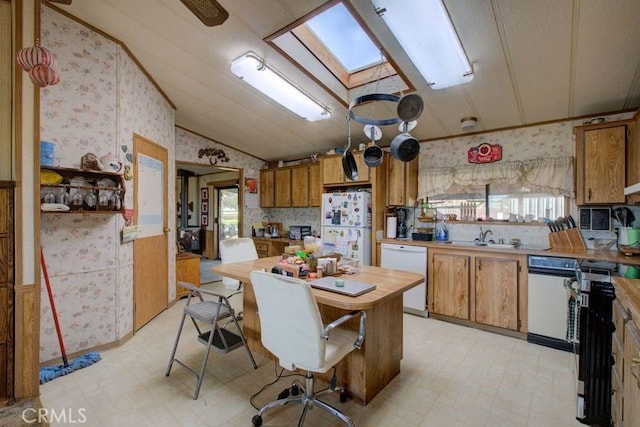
279 240
588 254
186 255
628 293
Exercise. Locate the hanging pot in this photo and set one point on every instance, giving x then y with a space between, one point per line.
410 107
373 154
404 147
349 166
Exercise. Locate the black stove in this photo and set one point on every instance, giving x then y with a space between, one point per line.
595 294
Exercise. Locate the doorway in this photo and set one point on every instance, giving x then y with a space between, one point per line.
216 216
226 213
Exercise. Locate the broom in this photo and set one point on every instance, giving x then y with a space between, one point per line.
53 372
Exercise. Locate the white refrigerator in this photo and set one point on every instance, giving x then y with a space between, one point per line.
346 223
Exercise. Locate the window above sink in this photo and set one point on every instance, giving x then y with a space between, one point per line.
499 202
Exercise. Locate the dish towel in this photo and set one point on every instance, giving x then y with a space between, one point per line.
573 320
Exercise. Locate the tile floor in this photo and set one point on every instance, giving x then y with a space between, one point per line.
451 376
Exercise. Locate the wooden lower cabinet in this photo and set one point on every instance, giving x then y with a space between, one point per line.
496 292
487 294
449 285
631 376
7 291
187 270
267 247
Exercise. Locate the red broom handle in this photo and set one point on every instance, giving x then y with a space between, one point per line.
53 308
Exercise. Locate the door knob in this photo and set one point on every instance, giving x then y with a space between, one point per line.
166 229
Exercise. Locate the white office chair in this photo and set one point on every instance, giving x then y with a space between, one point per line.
292 329
235 250
208 311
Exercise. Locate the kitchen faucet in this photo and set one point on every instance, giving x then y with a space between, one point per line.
483 235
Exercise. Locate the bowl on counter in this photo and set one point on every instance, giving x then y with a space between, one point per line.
603 244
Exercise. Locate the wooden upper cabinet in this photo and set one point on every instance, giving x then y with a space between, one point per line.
283 187
315 185
496 293
291 186
267 188
300 187
333 172
402 181
306 189
633 157
600 166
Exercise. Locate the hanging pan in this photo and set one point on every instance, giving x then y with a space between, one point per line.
410 107
349 165
373 154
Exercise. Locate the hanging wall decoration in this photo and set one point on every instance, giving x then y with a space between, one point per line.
214 155
485 153
39 62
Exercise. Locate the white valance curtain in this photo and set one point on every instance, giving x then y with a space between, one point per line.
548 175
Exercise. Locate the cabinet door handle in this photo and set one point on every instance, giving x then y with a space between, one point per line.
635 362
589 194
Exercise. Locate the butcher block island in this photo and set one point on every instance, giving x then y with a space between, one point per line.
364 372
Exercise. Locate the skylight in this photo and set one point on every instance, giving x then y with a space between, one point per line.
334 47
345 39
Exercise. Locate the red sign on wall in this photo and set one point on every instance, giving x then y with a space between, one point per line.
485 153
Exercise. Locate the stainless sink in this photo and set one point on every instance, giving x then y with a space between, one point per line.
488 245
501 245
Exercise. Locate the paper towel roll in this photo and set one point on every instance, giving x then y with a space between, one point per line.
392 223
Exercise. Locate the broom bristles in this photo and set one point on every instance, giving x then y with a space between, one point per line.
52 372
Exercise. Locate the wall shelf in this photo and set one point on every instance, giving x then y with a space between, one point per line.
101 192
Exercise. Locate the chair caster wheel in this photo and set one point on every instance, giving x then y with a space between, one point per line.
256 421
343 396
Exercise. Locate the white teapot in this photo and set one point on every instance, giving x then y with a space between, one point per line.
110 163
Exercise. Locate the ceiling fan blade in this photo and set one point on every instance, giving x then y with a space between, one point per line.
208 11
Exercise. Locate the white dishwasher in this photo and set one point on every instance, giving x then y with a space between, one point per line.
408 258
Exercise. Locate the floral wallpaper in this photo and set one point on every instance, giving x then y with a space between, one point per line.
101 100
187 146
550 140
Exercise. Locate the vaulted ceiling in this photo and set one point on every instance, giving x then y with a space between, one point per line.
534 61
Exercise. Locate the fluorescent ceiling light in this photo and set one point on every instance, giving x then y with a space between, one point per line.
425 32
255 71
